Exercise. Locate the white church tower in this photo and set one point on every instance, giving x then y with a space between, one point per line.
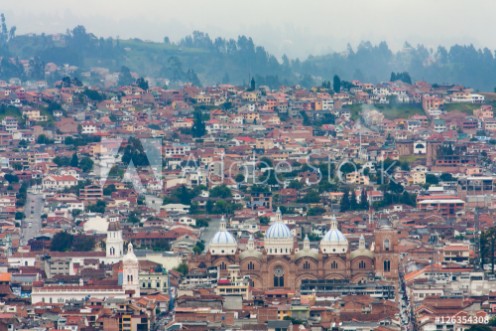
114 243
130 272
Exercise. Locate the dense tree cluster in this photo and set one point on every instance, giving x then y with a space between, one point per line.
198 58
64 241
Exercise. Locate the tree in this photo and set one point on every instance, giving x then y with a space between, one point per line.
221 191
312 196
345 202
83 243
401 76
264 220
161 245
239 178
253 85
295 184
125 77
142 83
336 84
353 201
99 207
75 212
199 247
316 211
431 179
61 242
364 203
446 177
43 140
109 189
11 178
198 130
487 247
86 164
62 161
209 207
23 143
182 268
74 160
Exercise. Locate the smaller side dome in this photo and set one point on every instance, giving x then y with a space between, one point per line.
223 242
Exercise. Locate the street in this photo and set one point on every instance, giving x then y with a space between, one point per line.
31 224
406 312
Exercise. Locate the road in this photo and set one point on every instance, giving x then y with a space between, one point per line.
406 312
209 232
31 225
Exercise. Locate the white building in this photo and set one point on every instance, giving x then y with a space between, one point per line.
114 243
130 276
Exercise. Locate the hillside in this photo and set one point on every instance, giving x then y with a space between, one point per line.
202 60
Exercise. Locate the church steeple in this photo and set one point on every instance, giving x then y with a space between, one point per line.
251 243
114 243
334 223
278 215
223 226
306 243
361 242
130 272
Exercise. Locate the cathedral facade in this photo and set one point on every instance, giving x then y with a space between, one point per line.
283 262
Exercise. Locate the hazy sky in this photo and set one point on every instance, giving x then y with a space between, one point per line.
295 27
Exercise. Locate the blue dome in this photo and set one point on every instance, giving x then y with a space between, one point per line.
222 238
278 230
335 236
334 240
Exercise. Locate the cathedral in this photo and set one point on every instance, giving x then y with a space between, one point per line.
283 262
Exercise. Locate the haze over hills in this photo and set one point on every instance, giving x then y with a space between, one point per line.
200 59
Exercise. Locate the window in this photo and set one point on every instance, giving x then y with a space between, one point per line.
386 245
361 265
279 277
387 266
222 266
306 265
251 266
334 265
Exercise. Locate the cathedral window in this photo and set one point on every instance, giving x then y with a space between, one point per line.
306 265
386 245
361 265
279 277
334 265
387 266
222 266
251 266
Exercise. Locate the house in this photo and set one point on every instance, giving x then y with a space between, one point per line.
55 182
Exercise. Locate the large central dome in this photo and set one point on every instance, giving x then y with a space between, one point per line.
334 240
278 238
278 230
